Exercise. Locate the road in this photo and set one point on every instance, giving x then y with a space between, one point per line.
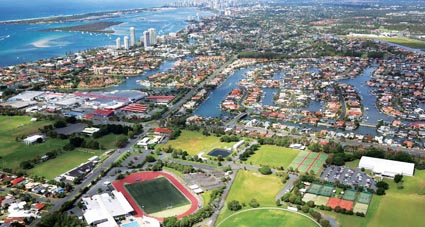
288 186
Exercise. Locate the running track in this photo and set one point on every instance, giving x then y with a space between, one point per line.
148 175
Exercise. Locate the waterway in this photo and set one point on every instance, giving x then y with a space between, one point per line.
131 82
371 112
268 98
211 106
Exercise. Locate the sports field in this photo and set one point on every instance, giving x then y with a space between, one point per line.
307 161
156 195
13 152
273 156
349 195
267 218
64 162
250 185
193 142
309 197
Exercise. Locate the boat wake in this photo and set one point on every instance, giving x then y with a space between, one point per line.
4 37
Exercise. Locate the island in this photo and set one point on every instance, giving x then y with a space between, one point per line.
97 27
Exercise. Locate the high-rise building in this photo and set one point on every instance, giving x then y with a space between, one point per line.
126 44
132 37
152 35
146 39
118 43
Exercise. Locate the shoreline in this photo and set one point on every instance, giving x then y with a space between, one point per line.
79 17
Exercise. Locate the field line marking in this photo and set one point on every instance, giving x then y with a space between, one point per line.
304 159
268 208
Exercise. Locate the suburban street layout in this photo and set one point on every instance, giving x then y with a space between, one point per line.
220 113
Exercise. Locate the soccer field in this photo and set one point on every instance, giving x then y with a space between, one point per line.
156 195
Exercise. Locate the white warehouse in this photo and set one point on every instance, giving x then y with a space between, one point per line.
388 168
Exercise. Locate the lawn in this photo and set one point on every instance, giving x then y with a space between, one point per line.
13 153
399 207
413 43
108 141
64 162
194 142
266 218
353 164
273 156
156 195
250 185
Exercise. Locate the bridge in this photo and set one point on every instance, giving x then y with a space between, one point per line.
235 119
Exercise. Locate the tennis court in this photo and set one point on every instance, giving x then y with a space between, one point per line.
326 190
321 200
335 202
361 208
314 188
309 197
349 195
306 161
364 197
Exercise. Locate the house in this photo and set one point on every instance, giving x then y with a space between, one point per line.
17 181
162 131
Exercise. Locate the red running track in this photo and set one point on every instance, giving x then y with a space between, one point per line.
148 175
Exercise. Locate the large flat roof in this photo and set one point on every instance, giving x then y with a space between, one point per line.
387 167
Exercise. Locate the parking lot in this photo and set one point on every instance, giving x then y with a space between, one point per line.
206 181
348 176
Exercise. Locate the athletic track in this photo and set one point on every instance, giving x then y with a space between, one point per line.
148 175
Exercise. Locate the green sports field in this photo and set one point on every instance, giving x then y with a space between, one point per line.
273 156
309 161
250 185
267 218
12 152
156 195
194 142
64 162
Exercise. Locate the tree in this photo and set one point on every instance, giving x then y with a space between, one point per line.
265 170
60 124
382 184
59 219
253 203
234 205
380 191
150 158
121 142
398 178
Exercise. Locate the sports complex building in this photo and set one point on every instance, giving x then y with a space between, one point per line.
387 168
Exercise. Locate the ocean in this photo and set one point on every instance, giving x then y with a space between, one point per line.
26 42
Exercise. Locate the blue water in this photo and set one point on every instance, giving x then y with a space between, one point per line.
25 43
211 106
269 93
372 115
24 9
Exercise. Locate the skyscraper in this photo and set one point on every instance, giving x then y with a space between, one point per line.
126 44
146 39
118 43
152 35
132 37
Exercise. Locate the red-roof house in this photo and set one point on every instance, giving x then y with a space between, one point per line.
17 181
162 131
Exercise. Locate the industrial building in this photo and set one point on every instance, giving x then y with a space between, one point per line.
387 168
